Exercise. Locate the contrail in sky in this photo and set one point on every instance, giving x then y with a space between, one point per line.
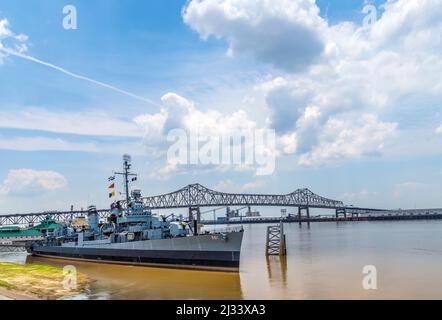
77 76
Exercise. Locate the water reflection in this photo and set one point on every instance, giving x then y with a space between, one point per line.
131 282
13 257
277 271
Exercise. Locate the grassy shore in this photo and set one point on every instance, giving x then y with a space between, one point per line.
36 282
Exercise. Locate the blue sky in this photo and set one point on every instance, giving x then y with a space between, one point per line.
368 143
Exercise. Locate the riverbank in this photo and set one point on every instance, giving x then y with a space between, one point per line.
37 282
8 294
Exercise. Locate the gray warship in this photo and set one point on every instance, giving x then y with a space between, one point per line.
134 235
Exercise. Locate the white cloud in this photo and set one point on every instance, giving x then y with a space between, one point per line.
233 187
348 103
12 44
389 71
181 113
80 123
28 182
166 171
410 23
44 144
9 39
439 130
360 195
349 138
284 33
4 29
152 125
288 143
252 186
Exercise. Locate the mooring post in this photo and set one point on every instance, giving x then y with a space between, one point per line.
276 242
283 245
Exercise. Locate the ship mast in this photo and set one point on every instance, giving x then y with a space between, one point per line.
126 174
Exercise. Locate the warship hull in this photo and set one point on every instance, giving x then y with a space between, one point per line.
217 252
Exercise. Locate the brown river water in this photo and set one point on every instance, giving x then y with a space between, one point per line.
324 261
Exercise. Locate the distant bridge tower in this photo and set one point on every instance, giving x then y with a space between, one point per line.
307 211
341 212
195 217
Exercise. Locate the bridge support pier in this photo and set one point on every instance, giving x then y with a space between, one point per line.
307 211
195 217
341 212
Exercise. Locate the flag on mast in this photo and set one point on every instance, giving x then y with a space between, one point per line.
112 186
112 194
111 178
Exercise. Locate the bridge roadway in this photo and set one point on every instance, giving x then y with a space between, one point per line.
398 215
196 196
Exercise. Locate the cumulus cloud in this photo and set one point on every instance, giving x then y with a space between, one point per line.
166 171
181 113
349 138
314 112
390 70
28 182
411 24
343 94
211 128
284 33
439 130
286 107
288 143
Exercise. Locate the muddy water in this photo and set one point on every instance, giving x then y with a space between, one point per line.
324 261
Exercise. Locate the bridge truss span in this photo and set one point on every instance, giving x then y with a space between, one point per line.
196 195
31 219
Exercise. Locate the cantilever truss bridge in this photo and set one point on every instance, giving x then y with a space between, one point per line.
196 196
